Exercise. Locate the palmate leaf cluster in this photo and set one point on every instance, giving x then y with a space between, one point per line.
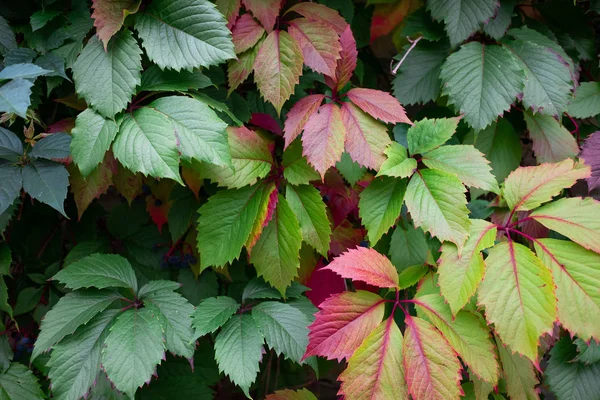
246 199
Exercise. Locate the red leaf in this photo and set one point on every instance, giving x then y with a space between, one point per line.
591 156
347 62
321 13
387 16
345 237
343 200
299 114
158 204
64 125
265 121
323 138
246 33
379 104
323 283
319 43
230 9
266 11
367 265
267 206
343 322
109 15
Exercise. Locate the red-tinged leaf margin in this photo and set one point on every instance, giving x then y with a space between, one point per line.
343 323
265 215
379 104
436 344
591 156
323 138
347 62
320 44
266 11
230 9
246 33
298 115
366 265
321 13
109 16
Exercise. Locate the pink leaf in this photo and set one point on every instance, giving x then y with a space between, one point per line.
230 9
591 156
321 13
323 138
265 121
347 62
266 11
342 324
246 33
379 104
319 43
323 283
298 116
367 265
109 15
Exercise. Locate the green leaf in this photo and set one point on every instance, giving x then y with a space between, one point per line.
276 253
501 146
437 203
523 307
295 167
569 380
428 134
412 275
251 160
4 306
19 383
586 103
10 185
307 204
380 205
588 353
40 18
27 300
71 311
53 147
552 142
7 37
184 34
284 328
467 333
418 78
238 350
155 79
212 313
398 164
47 182
575 271
278 67
133 349
5 259
107 79
92 137
408 247
75 362
100 271
11 147
14 97
157 286
174 314
548 81
482 81
226 222
497 26
519 374
350 169
22 71
200 133
460 273
528 187
462 17
257 288
142 145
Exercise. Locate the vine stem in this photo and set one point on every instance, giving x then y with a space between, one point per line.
412 46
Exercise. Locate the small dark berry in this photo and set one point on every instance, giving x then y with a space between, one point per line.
325 198
158 203
174 260
364 243
146 189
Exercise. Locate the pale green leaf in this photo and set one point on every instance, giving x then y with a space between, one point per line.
307 204
408 247
523 307
482 81
380 205
22 71
586 103
99 271
398 164
437 203
14 97
238 350
212 313
276 253
462 17
47 182
71 311
295 167
460 273
133 349
75 362
284 328
519 374
19 383
552 142
92 137
428 134
107 79
184 34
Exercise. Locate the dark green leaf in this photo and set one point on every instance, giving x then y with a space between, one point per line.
53 147
47 182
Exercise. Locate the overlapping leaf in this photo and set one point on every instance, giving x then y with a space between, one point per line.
109 16
380 205
319 43
462 17
367 265
552 142
100 271
306 203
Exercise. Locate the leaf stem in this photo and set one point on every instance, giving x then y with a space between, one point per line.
412 46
